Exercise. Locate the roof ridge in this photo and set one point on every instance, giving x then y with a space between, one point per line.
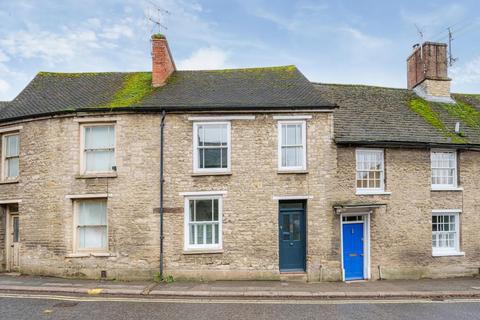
86 73
357 85
290 67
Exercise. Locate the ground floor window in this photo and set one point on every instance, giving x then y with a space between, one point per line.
203 223
91 225
445 233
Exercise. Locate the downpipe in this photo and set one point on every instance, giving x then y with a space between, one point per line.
162 180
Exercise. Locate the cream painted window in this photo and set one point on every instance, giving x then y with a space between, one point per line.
211 147
370 170
11 156
445 233
91 225
98 148
444 169
292 145
203 222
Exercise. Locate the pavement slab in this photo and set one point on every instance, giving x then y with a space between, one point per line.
425 288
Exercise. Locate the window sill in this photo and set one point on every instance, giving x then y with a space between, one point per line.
372 193
448 254
211 173
300 171
202 251
9 181
447 189
96 175
89 254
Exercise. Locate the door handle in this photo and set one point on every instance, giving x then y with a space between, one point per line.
291 243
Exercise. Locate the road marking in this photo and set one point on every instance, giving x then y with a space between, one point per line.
228 301
94 291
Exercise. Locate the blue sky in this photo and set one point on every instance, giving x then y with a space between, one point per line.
363 42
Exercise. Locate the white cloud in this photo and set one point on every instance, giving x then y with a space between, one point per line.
45 45
117 31
437 16
468 73
365 40
4 86
206 58
3 57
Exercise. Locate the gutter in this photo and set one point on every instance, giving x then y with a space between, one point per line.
413 144
162 180
156 108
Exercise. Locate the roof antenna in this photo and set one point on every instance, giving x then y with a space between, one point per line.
451 59
157 17
420 34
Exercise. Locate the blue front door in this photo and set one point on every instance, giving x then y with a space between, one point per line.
353 255
292 236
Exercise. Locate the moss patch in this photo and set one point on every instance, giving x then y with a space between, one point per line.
158 36
69 75
423 109
465 112
282 72
136 86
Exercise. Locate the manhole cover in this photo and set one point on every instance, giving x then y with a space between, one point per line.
65 304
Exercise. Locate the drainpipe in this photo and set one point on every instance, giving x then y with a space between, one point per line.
162 125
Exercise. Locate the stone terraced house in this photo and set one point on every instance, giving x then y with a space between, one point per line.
265 175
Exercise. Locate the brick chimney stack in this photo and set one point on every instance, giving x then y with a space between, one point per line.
427 72
162 61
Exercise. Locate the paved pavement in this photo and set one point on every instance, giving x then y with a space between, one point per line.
19 306
459 287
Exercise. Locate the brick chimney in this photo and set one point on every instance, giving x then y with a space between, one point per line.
427 72
162 61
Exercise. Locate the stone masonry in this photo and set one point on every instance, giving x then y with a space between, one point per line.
400 231
49 165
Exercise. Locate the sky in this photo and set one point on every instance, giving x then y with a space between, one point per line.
359 42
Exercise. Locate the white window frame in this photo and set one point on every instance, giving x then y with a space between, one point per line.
4 158
196 168
455 174
438 252
83 160
76 241
302 167
381 189
203 247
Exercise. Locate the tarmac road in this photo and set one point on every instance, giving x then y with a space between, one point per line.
27 306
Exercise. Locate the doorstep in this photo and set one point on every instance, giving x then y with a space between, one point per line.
294 276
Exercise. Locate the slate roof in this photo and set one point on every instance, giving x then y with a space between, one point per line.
3 104
273 87
376 115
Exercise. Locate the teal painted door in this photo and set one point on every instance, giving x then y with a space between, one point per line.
353 253
292 237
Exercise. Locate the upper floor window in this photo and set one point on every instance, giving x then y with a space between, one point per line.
203 222
444 169
445 233
91 225
370 170
211 147
98 148
292 145
11 156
